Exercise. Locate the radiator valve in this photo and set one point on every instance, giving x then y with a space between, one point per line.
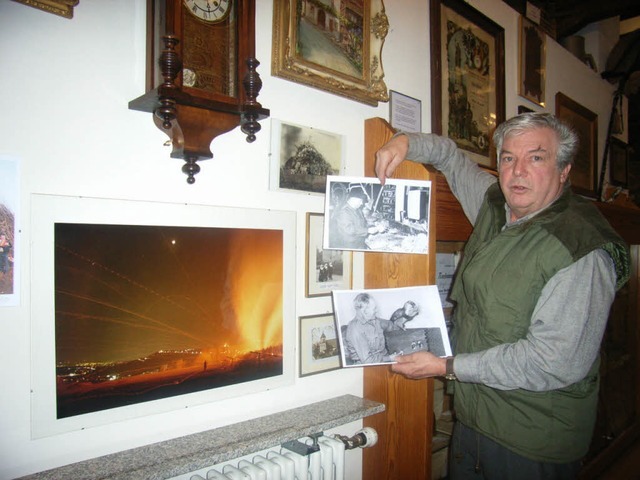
367 437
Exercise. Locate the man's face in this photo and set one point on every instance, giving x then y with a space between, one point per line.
529 177
369 311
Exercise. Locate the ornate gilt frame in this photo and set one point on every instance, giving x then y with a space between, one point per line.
288 63
63 8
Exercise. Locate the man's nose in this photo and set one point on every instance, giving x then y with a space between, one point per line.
519 167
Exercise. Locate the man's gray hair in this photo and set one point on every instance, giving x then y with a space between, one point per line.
567 137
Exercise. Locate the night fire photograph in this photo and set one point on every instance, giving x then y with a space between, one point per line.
149 312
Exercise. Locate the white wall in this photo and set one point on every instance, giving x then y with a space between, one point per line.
65 88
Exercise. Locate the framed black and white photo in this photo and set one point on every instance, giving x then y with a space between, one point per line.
376 325
363 215
302 157
319 350
326 270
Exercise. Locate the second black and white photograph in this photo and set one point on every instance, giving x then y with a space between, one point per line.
375 326
363 215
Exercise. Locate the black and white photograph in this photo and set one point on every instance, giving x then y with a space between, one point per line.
302 157
363 215
327 270
376 325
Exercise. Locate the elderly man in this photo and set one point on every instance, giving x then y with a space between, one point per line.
532 293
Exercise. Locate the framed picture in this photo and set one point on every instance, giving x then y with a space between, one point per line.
531 68
302 157
405 112
141 308
10 222
327 270
64 8
523 109
410 319
319 351
584 172
618 163
364 215
335 49
467 85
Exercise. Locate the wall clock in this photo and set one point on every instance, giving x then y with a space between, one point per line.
201 74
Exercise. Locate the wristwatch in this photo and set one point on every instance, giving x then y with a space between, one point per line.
450 375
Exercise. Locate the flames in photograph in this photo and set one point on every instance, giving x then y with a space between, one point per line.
146 312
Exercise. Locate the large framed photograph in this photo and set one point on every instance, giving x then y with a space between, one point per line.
332 46
618 163
467 84
376 325
302 157
319 351
584 173
532 62
326 270
363 215
141 308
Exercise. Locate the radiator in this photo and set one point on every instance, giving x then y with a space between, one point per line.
313 458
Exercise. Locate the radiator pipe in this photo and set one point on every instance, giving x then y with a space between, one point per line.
367 437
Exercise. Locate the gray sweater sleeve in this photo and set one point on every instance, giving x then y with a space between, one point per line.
564 334
467 180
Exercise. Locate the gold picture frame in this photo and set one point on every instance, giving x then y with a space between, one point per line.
63 8
354 67
532 58
467 78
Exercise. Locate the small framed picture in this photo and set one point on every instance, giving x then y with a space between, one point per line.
302 157
532 62
327 270
319 350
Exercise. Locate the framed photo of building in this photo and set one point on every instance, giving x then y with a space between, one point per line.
531 68
584 173
335 49
319 351
326 270
467 84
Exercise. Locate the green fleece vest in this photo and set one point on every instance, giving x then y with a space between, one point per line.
498 285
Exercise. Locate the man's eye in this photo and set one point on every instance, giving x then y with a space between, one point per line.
536 158
506 159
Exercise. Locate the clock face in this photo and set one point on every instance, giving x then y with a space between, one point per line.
212 11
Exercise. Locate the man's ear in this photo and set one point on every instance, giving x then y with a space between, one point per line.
564 175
